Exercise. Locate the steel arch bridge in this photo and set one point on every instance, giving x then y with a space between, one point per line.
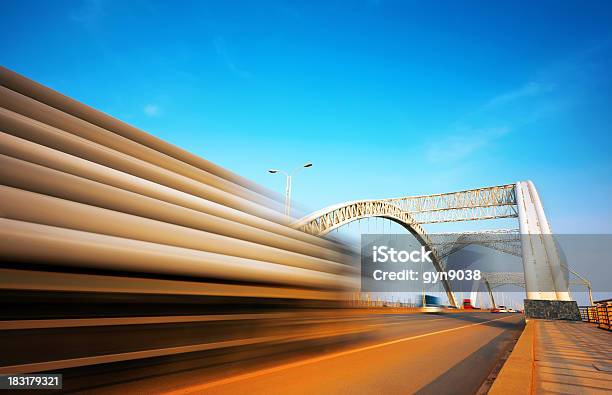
543 277
339 215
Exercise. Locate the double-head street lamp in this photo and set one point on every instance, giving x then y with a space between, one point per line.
288 185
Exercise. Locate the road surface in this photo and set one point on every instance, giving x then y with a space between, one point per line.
417 353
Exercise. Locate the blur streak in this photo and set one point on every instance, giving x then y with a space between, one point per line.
110 237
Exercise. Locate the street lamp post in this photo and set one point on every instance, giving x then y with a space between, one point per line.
288 177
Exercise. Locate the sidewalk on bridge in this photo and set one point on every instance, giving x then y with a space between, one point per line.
558 357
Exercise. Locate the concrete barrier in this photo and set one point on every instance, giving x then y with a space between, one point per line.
516 376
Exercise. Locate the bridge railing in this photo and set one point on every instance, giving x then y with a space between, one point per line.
600 314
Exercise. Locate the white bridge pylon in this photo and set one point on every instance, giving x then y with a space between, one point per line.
543 276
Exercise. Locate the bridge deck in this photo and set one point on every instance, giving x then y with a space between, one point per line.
558 357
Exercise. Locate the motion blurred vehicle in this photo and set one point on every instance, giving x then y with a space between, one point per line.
495 310
503 309
467 304
432 305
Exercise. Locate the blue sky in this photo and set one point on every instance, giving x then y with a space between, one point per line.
386 98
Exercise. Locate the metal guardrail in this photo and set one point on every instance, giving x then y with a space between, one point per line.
600 314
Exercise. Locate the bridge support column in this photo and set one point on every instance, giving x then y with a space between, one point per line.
559 273
546 280
490 294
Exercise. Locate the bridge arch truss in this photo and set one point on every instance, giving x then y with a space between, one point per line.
543 277
324 221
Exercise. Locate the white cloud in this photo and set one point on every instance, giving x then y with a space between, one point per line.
463 143
528 90
151 110
491 121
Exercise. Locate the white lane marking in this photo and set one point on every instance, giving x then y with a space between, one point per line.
407 323
257 373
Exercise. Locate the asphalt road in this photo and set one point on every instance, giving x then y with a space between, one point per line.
418 353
